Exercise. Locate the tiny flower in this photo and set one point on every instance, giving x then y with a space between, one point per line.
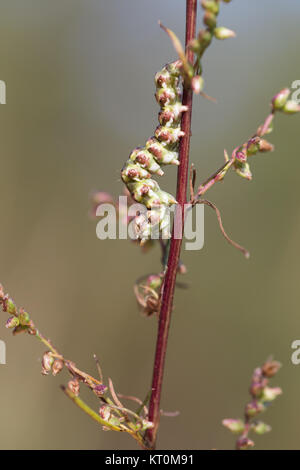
236 426
260 427
291 107
197 84
47 362
244 443
19 329
24 317
265 146
253 408
270 393
154 281
74 387
241 156
270 368
210 19
9 305
104 412
256 389
210 5
12 322
1 292
253 146
58 365
243 170
224 33
195 46
280 99
100 390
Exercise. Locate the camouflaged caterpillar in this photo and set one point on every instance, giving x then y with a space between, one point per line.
160 149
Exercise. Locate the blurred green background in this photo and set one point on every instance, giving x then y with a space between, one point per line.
79 77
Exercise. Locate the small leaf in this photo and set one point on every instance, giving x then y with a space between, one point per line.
187 67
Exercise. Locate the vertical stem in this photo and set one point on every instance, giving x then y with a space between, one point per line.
175 247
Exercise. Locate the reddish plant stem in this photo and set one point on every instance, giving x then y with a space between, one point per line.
175 247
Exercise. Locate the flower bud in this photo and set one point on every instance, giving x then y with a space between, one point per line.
243 170
241 156
256 389
236 426
253 408
47 362
224 33
195 46
270 368
58 365
9 305
197 84
211 5
260 427
74 387
1 292
19 329
104 412
244 443
280 99
269 393
265 146
12 322
210 20
253 146
100 390
24 317
291 107
154 281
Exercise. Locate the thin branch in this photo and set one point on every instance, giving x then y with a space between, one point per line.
175 247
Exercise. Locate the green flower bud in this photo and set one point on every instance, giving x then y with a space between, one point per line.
280 99
244 443
253 408
12 322
161 149
291 107
9 305
224 33
269 393
24 318
210 20
243 170
195 46
236 426
253 146
197 84
211 5
260 427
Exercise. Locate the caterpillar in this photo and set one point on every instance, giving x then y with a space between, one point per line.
160 149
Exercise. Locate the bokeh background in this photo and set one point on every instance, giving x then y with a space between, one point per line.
79 77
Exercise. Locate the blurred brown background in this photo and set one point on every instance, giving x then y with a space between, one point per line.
79 77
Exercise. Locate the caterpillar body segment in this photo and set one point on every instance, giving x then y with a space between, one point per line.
160 150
